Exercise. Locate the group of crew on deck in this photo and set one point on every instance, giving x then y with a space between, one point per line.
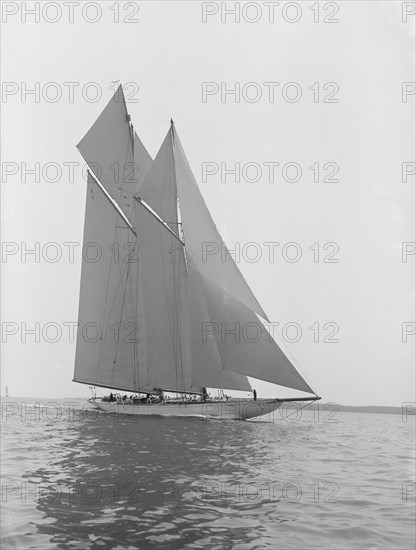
160 398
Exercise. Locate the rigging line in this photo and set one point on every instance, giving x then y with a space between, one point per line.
174 316
170 302
171 296
178 209
163 188
152 122
129 146
122 308
133 302
179 368
121 275
162 249
179 325
176 337
181 317
182 234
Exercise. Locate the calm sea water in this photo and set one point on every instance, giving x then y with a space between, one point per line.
77 480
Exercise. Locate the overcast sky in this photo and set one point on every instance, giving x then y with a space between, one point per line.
366 296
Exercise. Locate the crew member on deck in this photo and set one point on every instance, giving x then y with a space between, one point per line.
254 395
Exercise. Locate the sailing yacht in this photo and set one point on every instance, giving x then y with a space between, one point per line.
156 316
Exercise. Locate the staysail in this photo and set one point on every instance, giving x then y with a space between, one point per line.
244 344
207 364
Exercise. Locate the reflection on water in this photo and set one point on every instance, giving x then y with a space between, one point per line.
94 481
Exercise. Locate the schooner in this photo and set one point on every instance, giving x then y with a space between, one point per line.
153 307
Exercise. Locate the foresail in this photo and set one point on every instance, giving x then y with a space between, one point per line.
110 348
112 154
162 277
201 236
244 344
207 368
159 187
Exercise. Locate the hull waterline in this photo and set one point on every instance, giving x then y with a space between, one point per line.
217 410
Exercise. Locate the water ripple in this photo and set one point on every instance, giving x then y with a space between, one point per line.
89 481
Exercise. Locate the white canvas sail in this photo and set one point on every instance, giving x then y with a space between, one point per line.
159 187
110 347
162 277
245 346
114 155
200 231
207 366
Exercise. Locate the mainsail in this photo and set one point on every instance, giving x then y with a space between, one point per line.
155 313
162 276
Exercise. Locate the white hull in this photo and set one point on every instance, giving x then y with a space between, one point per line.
234 409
